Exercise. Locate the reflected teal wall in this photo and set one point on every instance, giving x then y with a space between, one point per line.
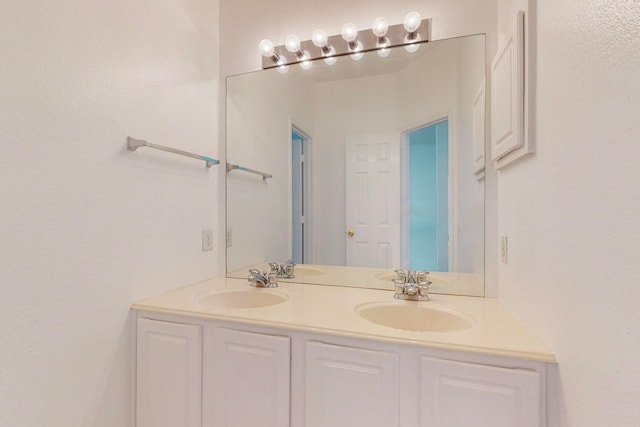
428 152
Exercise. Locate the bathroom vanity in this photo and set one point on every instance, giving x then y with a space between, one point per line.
221 353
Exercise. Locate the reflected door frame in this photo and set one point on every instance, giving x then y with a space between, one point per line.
404 186
305 189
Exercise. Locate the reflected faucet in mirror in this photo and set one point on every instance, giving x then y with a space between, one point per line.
285 270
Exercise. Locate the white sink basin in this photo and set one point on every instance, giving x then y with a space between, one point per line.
414 316
243 298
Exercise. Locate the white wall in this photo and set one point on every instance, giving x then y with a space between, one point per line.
470 192
571 211
87 228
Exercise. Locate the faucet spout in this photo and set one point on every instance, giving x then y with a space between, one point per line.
284 270
262 280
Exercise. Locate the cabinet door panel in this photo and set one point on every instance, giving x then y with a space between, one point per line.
457 394
169 374
347 387
251 379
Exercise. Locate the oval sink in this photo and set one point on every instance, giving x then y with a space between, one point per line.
414 316
243 298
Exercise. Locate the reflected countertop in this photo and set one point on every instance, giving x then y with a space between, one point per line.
468 284
331 310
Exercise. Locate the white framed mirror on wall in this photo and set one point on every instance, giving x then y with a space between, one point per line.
372 165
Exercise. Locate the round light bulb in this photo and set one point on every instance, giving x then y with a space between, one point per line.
357 54
349 32
330 60
412 21
282 69
306 64
380 26
319 38
383 53
411 47
292 43
266 48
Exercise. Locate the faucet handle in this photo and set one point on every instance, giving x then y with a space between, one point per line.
401 275
274 267
421 276
288 270
272 280
423 291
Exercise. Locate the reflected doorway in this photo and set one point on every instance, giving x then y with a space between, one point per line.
426 205
300 196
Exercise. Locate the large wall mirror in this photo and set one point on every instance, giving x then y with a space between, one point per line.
372 163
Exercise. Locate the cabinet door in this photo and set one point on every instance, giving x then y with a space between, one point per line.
250 379
347 387
169 374
457 394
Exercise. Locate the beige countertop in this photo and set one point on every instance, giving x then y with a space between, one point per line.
331 310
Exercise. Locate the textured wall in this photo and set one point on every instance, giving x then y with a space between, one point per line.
572 211
87 228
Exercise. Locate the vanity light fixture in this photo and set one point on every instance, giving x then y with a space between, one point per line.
292 43
380 27
350 35
283 68
328 48
411 24
267 50
320 39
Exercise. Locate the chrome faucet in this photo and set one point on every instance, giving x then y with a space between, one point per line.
284 271
411 285
262 280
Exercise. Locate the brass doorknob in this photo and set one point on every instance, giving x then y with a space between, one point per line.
350 233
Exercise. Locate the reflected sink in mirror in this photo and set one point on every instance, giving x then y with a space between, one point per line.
243 298
414 316
306 271
388 277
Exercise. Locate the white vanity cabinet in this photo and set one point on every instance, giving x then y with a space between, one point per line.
207 373
468 395
347 386
248 379
220 378
168 374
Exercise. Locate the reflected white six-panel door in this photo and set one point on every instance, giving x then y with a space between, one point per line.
373 200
